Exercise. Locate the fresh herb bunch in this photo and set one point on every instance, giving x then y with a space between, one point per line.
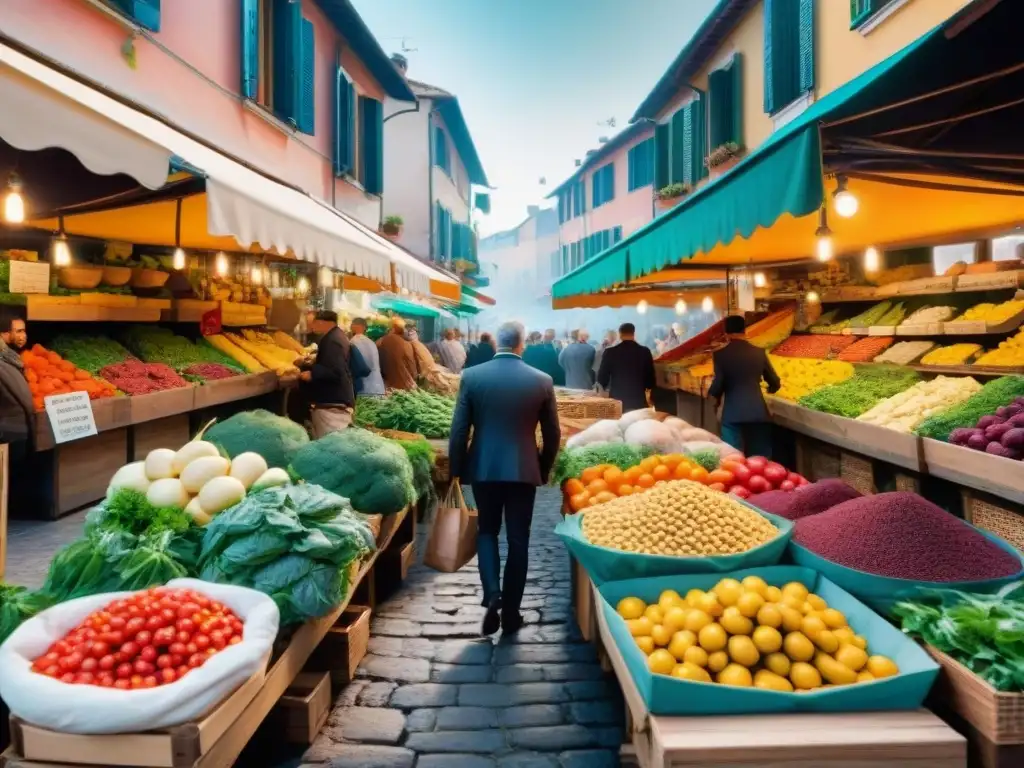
708 458
415 410
130 511
153 344
869 386
421 456
572 461
17 604
90 353
985 633
993 395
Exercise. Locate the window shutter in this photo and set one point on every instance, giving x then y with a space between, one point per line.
250 48
806 27
662 174
145 13
609 182
862 10
287 61
688 174
616 234
307 90
371 114
769 56
698 140
595 188
736 72
679 146
720 107
344 123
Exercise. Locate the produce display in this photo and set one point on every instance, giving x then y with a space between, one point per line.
645 427
415 410
681 518
825 322
371 471
1009 354
266 351
902 535
952 354
893 316
773 329
997 399
870 385
880 314
801 377
421 457
751 634
571 462
909 408
1000 433
813 347
867 349
90 353
47 373
994 314
133 377
153 344
982 632
18 604
905 352
208 372
235 352
275 438
810 499
151 638
928 315
294 543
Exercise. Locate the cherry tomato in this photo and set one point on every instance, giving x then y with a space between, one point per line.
178 659
122 683
164 636
129 650
186 610
149 681
186 625
113 638
154 622
148 653
235 640
106 682
182 670
143 667
177 648
196 660
99 648
71 662
202 642
217 639
136 682
191 648
117 623
164 660
168 675
85 678
183 637
52 671
124 671
67 677
89 665
107 662
134 626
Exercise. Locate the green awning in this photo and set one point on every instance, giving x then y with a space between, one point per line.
782 176
403 307
482 298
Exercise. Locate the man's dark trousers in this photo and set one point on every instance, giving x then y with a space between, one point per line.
514 502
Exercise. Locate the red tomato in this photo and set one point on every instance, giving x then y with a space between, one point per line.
117 623
89 664
68 677
123 684
712 486
107 662
196 660
202 642
217 639
136 682
168 676
149 681
182 670
148 654
758 484
787 485
164 660
775 473
134 626
129 651
52 671
124 671
235 640
740 492
178 648
186 625
756 464
142 667
85 678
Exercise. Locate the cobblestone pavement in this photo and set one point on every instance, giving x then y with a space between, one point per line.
432 693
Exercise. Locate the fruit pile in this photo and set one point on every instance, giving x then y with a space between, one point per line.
47 373
1009 354
750 634
813 347
1000 433
134 377
905 410
747 477
905 352
928 315
867 349
678 519
802 377
952 354
994 314
151 638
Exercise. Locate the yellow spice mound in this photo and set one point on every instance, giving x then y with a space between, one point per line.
680 518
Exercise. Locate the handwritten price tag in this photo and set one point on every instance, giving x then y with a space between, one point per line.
70 416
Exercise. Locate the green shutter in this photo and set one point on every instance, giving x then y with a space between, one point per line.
609 182
306 118
725 107
344 123
679 146
862 10
806 26
769 56
736 70
698 140
662 175
287 60
250 48
145 13
371 114
616 234
595 188
685 147
788 51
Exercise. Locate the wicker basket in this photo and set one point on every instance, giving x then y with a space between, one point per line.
999 717
857 472
998 516
589 408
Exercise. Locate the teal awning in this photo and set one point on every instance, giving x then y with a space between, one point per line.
782 176
403 307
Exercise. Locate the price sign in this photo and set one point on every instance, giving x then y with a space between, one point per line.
70 416
30 277
210 324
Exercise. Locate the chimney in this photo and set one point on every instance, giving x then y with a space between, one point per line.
401 63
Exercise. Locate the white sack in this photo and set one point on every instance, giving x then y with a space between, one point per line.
629 419
90 709
603 431
653 434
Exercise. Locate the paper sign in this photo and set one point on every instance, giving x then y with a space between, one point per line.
70 416
29 277
210 323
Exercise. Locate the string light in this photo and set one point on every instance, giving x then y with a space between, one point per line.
872 259
303 285
813 297
823 246
681 307
178 260
257 274
641 307
221 264
843 200
14 203
61 251
707 305
760 281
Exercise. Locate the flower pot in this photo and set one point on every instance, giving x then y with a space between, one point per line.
724 167
667 203
391 233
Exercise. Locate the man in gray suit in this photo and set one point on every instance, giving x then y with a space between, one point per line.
577 360
502 401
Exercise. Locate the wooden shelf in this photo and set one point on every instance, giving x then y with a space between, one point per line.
975 469
935 286
967 370
236 388
87 313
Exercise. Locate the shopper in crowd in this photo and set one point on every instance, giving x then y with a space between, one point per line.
397 357
424 360
577 360
544 357
16 409
739 368
373 382
328 382
452 353
609 340
500 403
627 370
482 351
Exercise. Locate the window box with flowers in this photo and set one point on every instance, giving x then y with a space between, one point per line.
724 158
669 195
391 227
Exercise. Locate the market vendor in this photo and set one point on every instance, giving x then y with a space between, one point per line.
739 368
328 381
16 407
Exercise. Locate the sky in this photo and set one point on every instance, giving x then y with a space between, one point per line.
536 78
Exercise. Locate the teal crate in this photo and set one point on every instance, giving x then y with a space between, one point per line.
666 695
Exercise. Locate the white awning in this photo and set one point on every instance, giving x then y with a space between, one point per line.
43 107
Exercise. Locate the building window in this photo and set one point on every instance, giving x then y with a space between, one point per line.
641 164
688 144
865 15
443 237
1008 248
442 156
145 13
788 52
579 198
603 185
349 129
725 104
662 155
945 256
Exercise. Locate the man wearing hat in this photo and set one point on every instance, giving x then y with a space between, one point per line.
397 357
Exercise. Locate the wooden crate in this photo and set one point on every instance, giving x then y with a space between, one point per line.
236 388
170 432
344 645
302 711
1001 517
408 558
108 413
584 607
857 472
83 468
816 460
999 717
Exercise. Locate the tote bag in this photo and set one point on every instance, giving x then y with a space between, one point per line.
452 541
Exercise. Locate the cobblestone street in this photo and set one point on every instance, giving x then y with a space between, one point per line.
432 693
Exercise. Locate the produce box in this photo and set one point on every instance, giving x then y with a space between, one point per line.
665 695
589 407
880 592
304 708
997 716
604 564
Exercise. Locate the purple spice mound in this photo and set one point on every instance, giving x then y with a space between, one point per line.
818 497
903 536
774 502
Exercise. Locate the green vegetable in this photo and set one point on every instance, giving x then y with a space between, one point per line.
572 461
5 275
274 438
985 633
17 604
416 410
708 458
13 299
870 316
371 471
153 344
421 456
996 393
90 353
893 316
870 385
128 510
294 543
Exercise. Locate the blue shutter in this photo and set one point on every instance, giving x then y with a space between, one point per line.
371 113
307 87
662 171
616 234
736 71
344 124
679 154
250 48
595 188
609 182
769 56
789 51
806 33
145 13
287 60
698 140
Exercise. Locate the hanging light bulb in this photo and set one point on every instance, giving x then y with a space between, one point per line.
823 246
221 264
707 305
178 260
760 281
872 259
843 200
256 274
61 251
303 285
14 203
681 307
813 297
641 307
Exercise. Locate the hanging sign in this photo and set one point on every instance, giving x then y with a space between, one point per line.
30 277
70 416
210 324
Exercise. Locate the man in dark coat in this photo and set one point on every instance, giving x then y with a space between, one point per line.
502 402
739 368
544 357
16 409
328 382
627 370
482 351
